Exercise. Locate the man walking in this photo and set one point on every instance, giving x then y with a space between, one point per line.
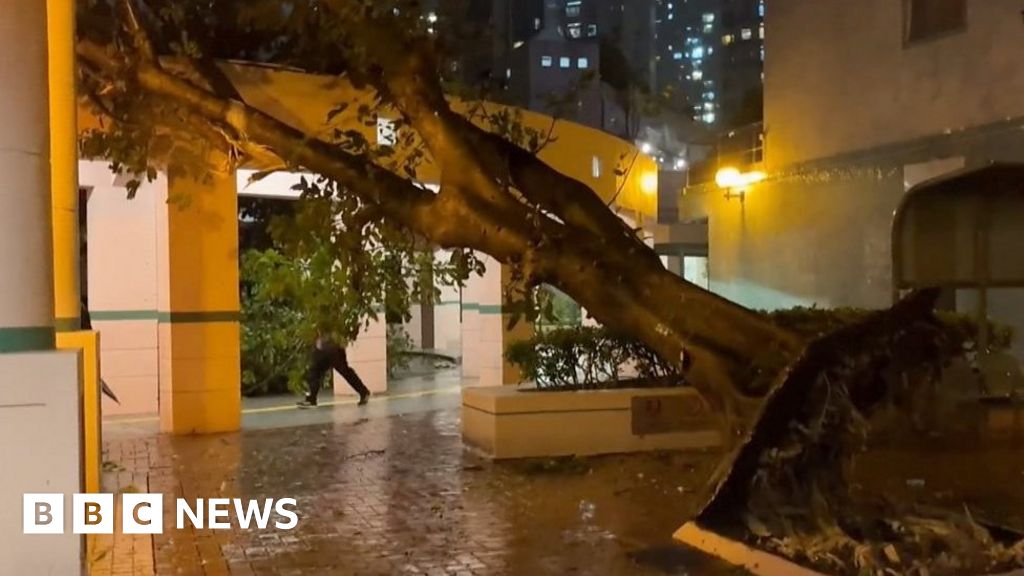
327 355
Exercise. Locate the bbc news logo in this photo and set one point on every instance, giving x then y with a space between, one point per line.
144 513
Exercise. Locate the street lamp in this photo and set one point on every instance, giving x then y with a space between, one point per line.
736 183
649 183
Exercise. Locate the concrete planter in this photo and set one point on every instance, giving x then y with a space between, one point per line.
505 422
757 562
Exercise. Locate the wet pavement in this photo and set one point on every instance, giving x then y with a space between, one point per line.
398 494
390 489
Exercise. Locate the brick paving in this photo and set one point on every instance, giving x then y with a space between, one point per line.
400 495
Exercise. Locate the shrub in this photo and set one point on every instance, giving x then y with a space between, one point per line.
582 357
398 346
815 322
274 351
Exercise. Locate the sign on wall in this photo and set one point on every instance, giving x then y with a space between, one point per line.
667 414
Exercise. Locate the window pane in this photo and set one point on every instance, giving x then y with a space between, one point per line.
931 18
545 61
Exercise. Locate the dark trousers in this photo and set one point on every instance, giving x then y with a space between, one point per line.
333 357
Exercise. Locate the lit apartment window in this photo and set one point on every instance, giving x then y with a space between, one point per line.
564 62
760 9
697 53
728 39
709 28
708 17
746 33
708 118
928 19
546 61
697 75
760 31
591 30
575 30
572 9
677 56
536 23
582 63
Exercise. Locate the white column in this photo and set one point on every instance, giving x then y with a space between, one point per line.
26 256
40 396
447 323
484 333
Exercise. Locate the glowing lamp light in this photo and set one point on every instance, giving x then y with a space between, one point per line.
728 178
733 178
649 183
753 177
646 148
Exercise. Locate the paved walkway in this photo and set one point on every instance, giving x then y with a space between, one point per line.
385 491
389 489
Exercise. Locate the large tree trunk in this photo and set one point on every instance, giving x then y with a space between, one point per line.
499 199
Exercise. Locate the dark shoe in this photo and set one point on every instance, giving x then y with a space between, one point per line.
363 399
307 403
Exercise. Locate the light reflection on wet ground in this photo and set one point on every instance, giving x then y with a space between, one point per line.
399 494
389 489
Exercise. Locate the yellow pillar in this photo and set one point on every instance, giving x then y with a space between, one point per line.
60 15
60 22
200 366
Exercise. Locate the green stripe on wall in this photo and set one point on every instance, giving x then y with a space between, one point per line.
120 315
68 324
28 339
167 317
199 317
492 309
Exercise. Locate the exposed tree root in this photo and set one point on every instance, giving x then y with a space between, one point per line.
785 486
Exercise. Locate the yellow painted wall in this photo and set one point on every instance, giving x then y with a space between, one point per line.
92 438
305 100
621 176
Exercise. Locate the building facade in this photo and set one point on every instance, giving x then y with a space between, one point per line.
862 103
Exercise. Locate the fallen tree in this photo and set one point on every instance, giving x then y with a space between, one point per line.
147 70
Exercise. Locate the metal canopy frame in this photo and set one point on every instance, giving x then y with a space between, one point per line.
954 232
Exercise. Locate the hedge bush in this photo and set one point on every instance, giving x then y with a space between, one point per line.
815 322
580 358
